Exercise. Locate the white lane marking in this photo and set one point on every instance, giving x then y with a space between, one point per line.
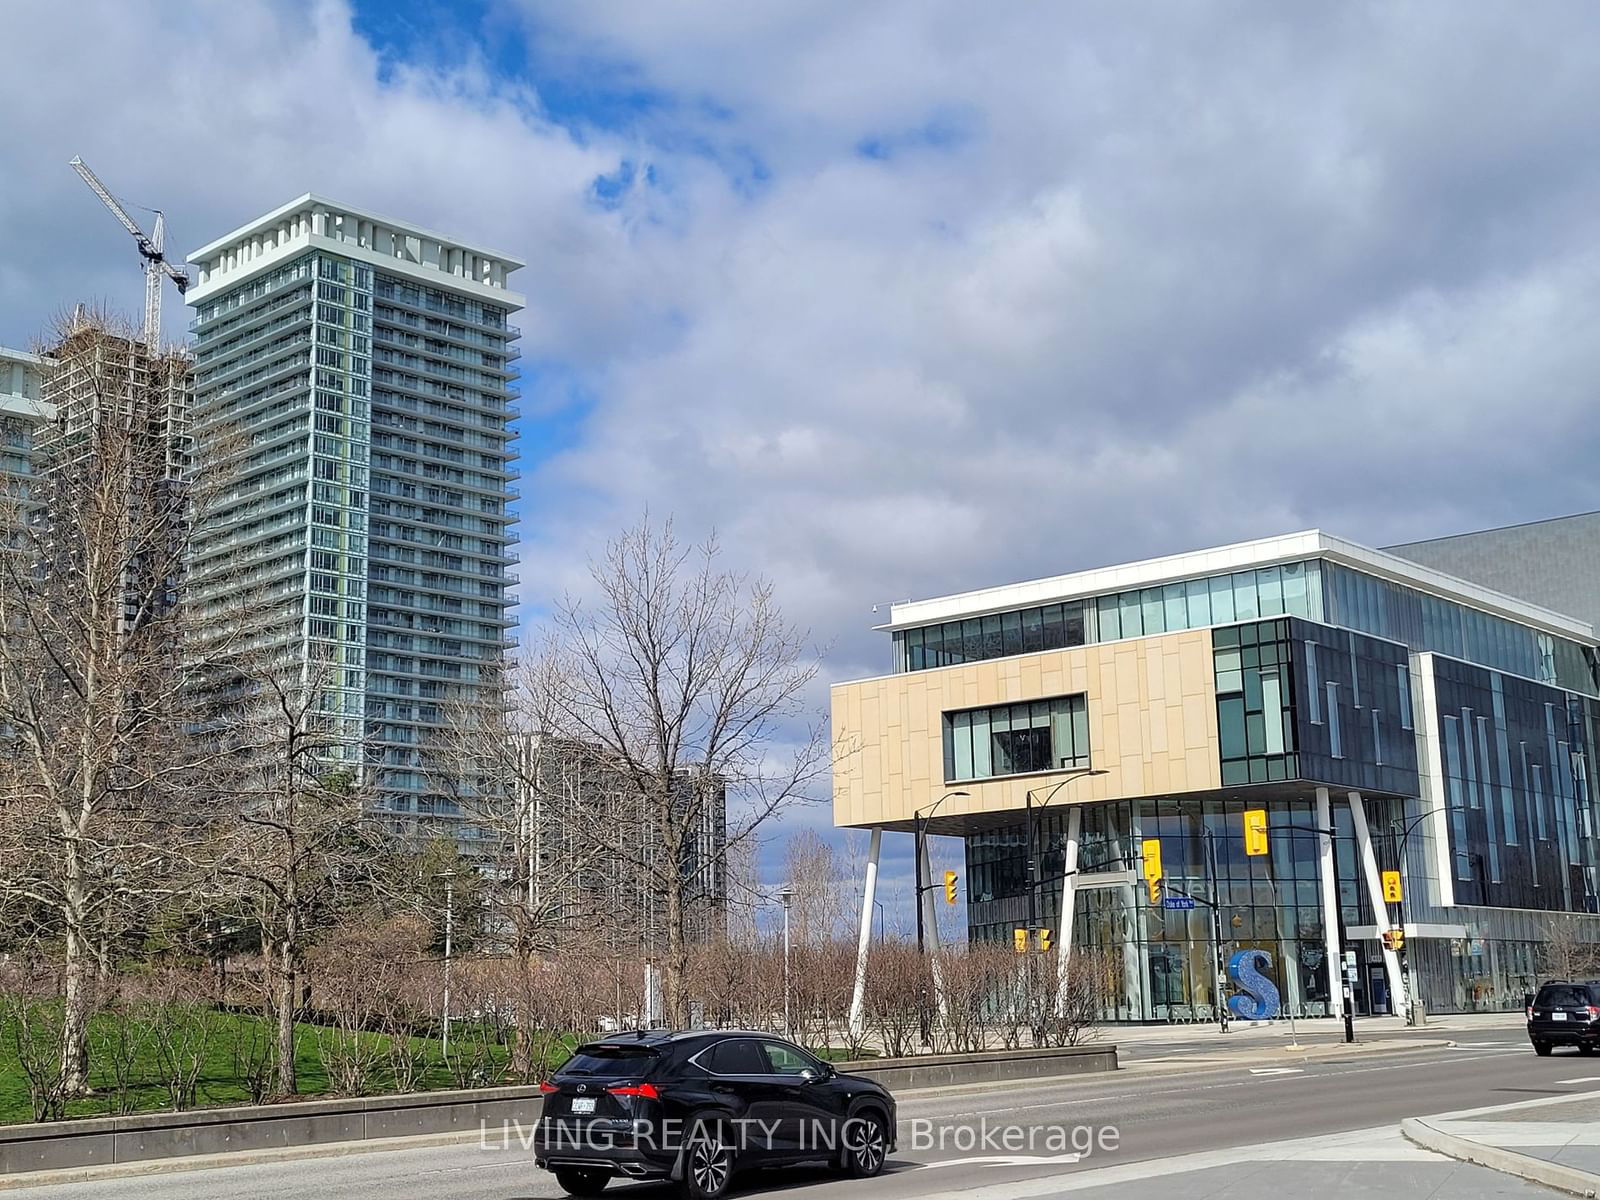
1277 1071
1581 1079
1185 1091
1014 1160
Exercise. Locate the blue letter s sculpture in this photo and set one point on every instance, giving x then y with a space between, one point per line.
1260 1001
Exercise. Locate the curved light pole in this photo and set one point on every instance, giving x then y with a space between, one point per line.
1033 838
919 827
919 824
1400 830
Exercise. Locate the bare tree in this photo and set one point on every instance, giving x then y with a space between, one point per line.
93 687
1567 954
524 791
292 847
688 682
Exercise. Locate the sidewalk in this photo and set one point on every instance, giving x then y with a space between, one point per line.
1551 1141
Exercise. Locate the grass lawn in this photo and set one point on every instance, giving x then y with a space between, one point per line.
220 1083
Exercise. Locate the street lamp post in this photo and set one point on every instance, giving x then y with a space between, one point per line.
449 878
1400 831
785 897
1034 871
919 833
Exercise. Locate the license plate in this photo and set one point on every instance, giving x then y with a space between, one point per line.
1558 1016
583 1104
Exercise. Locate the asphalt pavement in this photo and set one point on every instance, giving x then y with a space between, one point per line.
1287 1125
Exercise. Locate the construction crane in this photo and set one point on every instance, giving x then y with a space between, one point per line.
150 248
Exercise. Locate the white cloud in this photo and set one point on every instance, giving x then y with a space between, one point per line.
1114 280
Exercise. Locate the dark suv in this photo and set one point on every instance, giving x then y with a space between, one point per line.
1565 1014
695 1107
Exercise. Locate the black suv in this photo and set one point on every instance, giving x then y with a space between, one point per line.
1565 1014
695 1107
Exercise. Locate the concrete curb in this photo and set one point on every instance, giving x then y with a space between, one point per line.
1497 1158
238 1158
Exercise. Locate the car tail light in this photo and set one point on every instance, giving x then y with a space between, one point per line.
646 1090
1530 1012
546 1087
1594 1012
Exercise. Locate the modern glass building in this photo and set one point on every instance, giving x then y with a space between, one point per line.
1386 716
355 381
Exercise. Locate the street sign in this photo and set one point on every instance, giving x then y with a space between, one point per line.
1177 902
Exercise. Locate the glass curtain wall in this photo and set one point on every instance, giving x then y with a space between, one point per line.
1289 589
1161 958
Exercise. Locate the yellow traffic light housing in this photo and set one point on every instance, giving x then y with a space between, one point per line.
1394 939
1019 940
1046 940
1150 855
1255 831
1391 887
952 887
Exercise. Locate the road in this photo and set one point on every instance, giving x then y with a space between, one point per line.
1131 1117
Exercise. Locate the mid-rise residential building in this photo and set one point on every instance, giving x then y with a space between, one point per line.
354 385
1384 715
600 856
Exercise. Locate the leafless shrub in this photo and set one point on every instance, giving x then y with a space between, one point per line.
179 1022
894 1003
34 1012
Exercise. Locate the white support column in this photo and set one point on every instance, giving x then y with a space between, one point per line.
869 894
930 917
1369 870
1330 905
1069 895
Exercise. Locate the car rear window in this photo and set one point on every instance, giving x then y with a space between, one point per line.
1562 996
600 1059
737 1056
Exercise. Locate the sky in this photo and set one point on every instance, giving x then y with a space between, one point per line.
910 296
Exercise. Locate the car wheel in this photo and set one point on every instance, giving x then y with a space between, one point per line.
1542 1049
866 1145
708 1161
577 1181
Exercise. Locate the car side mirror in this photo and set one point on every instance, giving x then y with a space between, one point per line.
809 1075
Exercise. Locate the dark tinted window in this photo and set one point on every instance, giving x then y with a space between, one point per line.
736 1056
1562 995
608 1060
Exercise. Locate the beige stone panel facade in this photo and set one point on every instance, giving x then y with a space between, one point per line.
1152 727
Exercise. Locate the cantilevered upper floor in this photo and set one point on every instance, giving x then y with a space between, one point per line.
1279 664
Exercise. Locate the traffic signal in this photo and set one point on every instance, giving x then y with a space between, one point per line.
1046 940
951 886
1150 853
1394 939
1391 887
1019 940
1255 831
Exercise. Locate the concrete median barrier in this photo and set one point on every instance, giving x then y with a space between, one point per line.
306 1125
